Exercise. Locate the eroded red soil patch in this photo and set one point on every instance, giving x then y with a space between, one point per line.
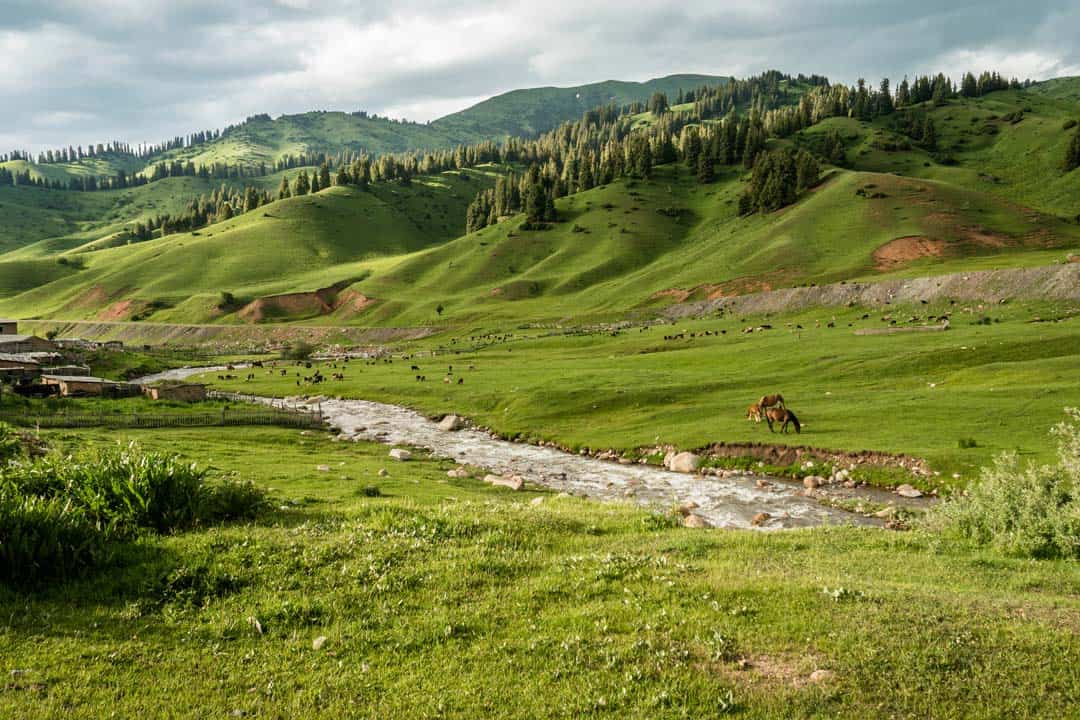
903 250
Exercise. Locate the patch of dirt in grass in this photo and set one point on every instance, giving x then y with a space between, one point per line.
985 238
903 250
778 669
303 304
679 294
95 296
121 310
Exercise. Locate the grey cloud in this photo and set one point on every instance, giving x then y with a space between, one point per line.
142 70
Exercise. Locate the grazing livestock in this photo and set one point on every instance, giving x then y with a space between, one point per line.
768 401
785 417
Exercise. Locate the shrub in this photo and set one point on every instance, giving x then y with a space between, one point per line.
1069 124
43 537
231 500
966 443
10 444
298 351
120 490
1031 511
59 515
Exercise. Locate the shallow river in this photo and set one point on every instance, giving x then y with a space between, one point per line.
723 502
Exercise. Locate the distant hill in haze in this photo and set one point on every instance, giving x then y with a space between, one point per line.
537 110
262 139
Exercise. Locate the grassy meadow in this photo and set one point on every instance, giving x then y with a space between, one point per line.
996 378
418 595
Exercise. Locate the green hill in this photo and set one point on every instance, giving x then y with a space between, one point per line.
262 139
302 243
991 195
537 110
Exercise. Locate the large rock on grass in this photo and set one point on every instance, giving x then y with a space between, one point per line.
400 454
514 482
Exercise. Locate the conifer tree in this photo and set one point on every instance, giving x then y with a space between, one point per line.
1072 154
283 189
705 170
302 184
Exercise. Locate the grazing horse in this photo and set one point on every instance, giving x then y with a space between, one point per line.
768 401
785 417
754 412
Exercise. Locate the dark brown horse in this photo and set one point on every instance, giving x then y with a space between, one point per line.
784 416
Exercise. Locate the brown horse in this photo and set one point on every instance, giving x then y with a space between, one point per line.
783 416
754 413
768 401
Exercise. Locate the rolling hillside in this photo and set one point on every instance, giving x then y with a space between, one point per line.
537 110
305 243
262 139
992 196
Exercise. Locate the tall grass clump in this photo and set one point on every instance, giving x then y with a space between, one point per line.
45 537
59 514
1028 511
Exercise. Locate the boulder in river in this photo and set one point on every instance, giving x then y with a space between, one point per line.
908 491
451 423
684 462
687 508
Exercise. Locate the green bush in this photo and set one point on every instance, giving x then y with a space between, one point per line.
60 514
45 537
10 444
1031 511
120 489
298 351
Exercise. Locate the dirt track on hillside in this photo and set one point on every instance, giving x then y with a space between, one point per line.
1055 282
224 337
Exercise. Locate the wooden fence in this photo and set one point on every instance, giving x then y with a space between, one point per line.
230 416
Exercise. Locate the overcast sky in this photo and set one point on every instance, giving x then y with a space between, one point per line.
81 71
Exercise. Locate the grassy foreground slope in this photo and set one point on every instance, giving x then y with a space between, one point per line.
446 598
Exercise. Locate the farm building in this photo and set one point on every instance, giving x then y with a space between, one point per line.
14 344
17 366
84 385
183 392
9 327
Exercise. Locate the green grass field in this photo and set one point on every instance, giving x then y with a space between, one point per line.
445 598
1002 384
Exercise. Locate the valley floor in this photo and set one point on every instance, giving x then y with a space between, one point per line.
436 597
996 380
